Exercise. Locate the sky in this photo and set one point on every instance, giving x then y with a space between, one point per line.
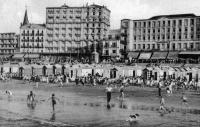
12 11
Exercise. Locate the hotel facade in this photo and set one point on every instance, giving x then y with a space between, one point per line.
162 33
32 38
75 29
112 46
9 43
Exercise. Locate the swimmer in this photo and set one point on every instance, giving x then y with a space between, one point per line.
184 99
9 93
53 100
133 118
30 97
162 104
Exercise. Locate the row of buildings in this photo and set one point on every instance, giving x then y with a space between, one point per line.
79 31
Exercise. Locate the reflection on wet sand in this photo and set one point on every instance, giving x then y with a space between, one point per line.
53 116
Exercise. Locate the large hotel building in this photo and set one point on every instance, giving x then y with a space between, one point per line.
75 29
162 33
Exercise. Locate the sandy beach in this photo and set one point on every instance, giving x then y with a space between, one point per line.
86 106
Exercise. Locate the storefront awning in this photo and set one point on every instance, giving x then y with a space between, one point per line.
18 56
190 53
133 55
159 55
145 56
172 55
32 56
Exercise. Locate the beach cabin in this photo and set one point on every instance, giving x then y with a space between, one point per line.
113 73
47 70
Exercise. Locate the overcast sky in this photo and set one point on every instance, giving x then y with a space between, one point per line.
12 11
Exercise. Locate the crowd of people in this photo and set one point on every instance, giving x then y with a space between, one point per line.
167 85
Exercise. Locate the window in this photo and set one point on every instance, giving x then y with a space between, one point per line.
113 51
139 24
186 22
185 46
154 37
107 53
163 46
144 38
174 37
168 30
186 29
158 37
134 38
148 46
163 23
197 45
158 23
135 24
149 24
167 45
173 46
180 22
148 37
143 46
149 31
179 37
186 36
174 22
153 46
179 46
114 45
144 24
158 46
168 23
139 46
192 29
109 36
192 22
153 30
191 45
192 37
134 46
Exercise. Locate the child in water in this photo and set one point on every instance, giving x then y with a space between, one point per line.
30 97
133 120
53 100
184 100
9 93
162 104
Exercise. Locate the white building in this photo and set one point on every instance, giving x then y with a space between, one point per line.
75 29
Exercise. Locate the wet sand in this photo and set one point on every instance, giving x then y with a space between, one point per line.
86 106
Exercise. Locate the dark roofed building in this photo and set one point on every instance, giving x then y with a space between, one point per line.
32 37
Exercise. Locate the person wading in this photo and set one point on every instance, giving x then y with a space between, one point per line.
108 92
53 101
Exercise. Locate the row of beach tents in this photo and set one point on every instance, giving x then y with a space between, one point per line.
105 70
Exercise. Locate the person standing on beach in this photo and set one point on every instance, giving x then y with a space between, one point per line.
53 101
159 89
121 90
108 92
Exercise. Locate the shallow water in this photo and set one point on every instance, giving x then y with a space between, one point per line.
78 110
